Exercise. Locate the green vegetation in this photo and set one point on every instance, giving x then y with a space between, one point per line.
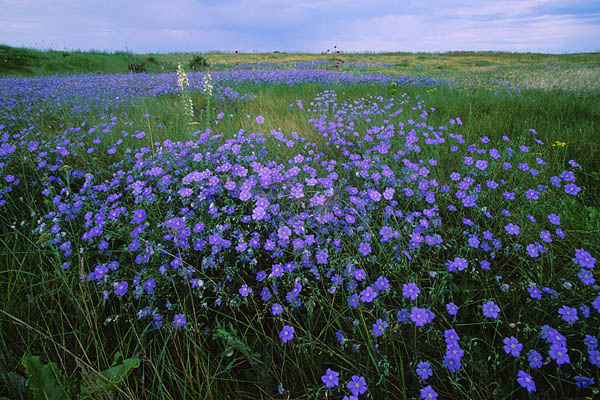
579 71
60 334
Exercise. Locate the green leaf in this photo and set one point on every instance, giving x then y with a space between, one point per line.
44 380
120 372
113 376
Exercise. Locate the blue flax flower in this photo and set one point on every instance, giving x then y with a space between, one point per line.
535 359
568 314
179 320
491 310
330 379
512 346
582 382
559 354
427 393
379 328
287 333
526 381
357 385
424 370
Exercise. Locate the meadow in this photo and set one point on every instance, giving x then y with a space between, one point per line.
299 226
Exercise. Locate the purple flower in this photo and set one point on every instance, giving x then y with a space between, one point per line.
382 283
568 314
330 379
512 346
452 308
374 195
403 316
582 382
481 164
120 288
364 249
258 213
532 250
535 359
554 219
427 393
424 370
546 236
284 232
421 316
265 294
357 385
276 309
458 263
367 295
451 337
410 290
260 119
185 192
587 278
559 353
179 320
532 194
287 333
594 357
175 223
353 301
245 195
321 256
359 274
454 351
554 337
584 259
379 328
100 271
534 292
386 233
138 216
526 381
149 285
473 242
490 310
245 290
591 342
512 229
261 275
451 363
572 189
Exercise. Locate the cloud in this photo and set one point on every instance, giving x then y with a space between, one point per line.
310 25
524 28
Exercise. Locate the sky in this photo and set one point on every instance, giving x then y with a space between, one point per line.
163 26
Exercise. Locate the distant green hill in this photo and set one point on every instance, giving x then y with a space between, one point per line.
21 61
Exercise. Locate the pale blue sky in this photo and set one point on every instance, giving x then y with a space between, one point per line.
550 26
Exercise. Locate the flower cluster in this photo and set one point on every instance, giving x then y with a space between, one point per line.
376 213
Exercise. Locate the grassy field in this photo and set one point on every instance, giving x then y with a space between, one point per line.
294 226
483 69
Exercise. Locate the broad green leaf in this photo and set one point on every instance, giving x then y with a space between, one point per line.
44 380
113 376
